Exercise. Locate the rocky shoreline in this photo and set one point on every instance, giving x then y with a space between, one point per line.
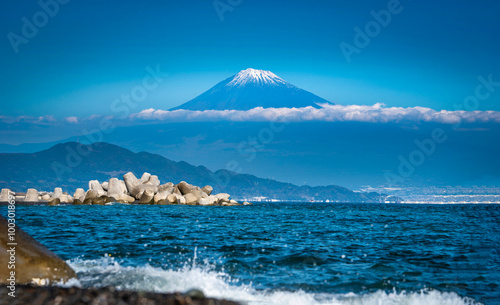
51 295
130 190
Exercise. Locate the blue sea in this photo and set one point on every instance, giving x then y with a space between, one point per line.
282 253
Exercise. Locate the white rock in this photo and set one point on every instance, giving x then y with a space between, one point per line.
31 195
126 198
185 187
123 187
131 181
207 189
223 196
57 193
176 199
96 186
212 199
66 198
153 180
4 195
145 177
79 194
139 190
147 197
105 185
166 186
163 193
114 188
203 201
190 198
172 198
198 193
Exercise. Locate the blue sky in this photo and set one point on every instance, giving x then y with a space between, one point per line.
90 52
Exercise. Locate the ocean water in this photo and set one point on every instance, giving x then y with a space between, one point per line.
282 253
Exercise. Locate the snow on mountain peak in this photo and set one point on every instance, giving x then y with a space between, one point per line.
254 76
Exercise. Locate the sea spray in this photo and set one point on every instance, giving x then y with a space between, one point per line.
108 271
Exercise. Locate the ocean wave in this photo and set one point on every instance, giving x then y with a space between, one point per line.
108 271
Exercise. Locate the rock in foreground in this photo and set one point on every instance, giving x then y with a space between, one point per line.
104 296
34 262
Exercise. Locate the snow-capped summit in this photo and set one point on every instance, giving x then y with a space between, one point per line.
256 76
252 88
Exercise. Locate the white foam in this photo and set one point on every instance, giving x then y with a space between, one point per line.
109 272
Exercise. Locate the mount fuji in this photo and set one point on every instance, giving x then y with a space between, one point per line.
252 88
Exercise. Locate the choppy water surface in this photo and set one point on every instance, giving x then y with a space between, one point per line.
282 253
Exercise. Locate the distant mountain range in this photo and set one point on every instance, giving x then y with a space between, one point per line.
77 164
357 155
252 88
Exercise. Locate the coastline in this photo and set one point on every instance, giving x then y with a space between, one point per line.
30 294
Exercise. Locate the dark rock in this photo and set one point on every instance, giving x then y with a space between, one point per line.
91 194
28 294
77 202
177 191
108 199
55 201
163 202
34 262
195 294
98 201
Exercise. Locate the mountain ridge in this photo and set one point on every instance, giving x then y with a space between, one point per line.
253 88
21 171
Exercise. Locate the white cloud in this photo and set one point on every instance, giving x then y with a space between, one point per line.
40 120
377 113
71 119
